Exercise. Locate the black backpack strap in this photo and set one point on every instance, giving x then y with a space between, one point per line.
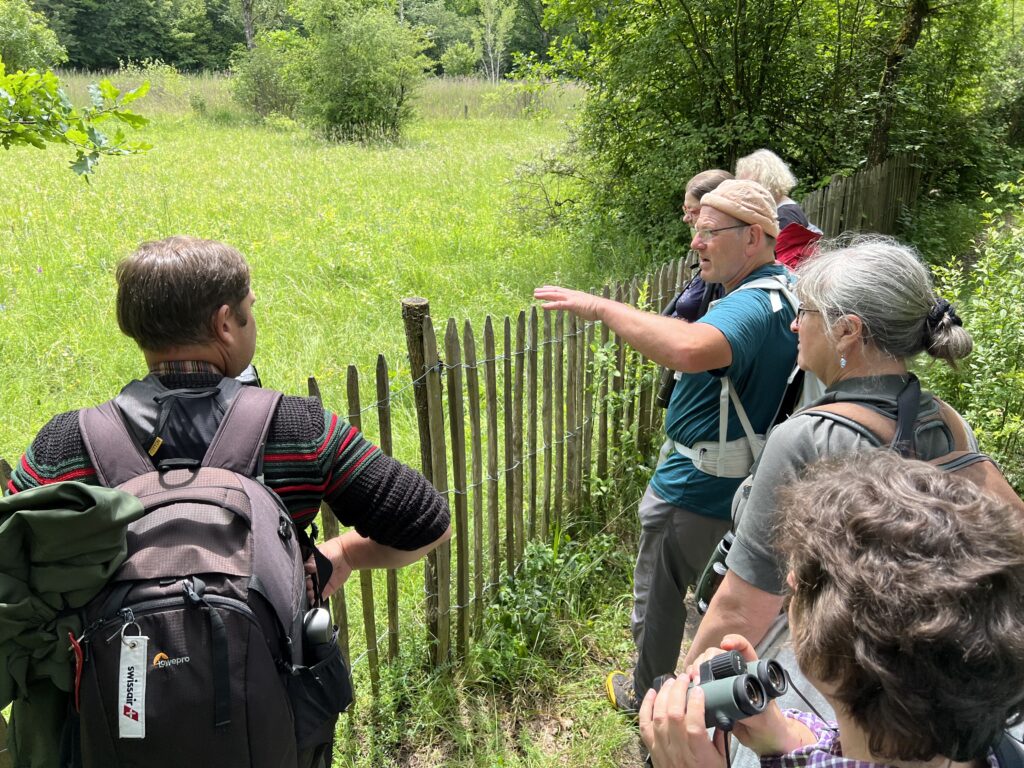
907 403
242 434
113 451
1009 752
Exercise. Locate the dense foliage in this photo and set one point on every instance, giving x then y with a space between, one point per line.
988 388
194 35
675 88
26 42
348 72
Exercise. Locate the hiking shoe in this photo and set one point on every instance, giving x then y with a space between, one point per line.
618 686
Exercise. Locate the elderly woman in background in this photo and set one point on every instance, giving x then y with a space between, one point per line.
797 236
867 308
907 613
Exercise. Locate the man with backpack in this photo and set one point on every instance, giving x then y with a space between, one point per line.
733 366
191 424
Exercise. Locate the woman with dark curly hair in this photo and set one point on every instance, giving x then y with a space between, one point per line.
907 613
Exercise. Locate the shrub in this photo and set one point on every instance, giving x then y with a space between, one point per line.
360 73
988 389
264 76
26 42
459 60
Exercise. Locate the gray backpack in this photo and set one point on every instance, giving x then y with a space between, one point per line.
193 653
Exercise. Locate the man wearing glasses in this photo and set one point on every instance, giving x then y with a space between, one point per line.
741 351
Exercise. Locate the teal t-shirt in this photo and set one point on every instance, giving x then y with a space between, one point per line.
763 355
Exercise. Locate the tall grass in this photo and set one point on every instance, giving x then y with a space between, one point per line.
336 234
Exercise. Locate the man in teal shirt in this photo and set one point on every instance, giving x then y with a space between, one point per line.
745 340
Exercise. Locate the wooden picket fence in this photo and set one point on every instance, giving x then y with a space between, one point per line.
869 200
514 420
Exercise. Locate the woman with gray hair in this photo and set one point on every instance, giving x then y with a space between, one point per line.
866 309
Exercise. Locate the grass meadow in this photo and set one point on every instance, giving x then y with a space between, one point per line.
337 235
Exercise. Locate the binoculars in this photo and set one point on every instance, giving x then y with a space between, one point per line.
713 574
735 689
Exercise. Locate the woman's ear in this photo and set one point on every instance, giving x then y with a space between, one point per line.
847 330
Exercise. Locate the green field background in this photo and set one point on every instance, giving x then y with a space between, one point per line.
337 235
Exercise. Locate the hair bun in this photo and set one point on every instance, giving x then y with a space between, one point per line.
940 310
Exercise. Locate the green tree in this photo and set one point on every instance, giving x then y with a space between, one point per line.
680 87
34 111
26 42
493 35
360 75
459 60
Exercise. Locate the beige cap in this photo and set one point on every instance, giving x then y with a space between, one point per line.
747 201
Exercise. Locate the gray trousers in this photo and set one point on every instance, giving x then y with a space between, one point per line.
675 545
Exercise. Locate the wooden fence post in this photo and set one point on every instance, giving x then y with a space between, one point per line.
414 311
439 462
365 575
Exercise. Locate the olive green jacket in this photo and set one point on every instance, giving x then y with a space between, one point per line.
59 544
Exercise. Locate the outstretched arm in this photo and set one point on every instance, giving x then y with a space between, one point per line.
352 552
673 343
738 608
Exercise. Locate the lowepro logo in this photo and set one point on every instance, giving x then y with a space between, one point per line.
162 661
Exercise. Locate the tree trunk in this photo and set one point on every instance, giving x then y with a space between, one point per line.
910 32
249 24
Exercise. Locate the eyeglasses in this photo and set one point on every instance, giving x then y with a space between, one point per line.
706 235
803 311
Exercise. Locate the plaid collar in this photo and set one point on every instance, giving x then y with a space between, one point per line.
171 367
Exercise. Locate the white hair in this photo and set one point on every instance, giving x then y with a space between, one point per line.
768 170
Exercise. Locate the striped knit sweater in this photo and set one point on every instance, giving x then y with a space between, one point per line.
312 455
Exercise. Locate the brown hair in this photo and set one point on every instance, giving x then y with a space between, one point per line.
706 181
908 601
168 290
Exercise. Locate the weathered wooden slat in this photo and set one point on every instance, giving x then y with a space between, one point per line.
558 384
457 427
386 445
477 472
546 418
365 575
491 399
508 473
571 443
441 556
329 524
531 423
518 392
602 403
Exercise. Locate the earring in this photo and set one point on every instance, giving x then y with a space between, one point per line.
842 361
